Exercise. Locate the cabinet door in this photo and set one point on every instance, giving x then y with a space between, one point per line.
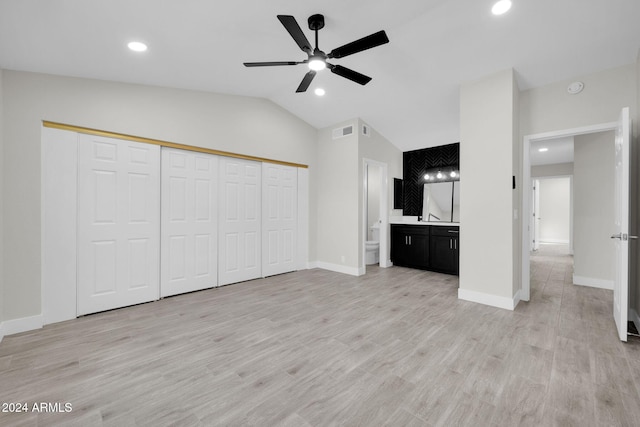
398 245
443 254
419 248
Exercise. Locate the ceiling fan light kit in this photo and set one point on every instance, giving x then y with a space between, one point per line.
317 59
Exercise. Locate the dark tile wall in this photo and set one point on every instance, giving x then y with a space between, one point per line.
415 164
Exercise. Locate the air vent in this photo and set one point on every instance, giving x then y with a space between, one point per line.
366 131
342 132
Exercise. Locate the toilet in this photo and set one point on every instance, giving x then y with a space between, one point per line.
372 247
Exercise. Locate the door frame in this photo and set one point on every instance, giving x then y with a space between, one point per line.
384 212
525 291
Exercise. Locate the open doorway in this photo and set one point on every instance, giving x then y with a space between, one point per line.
375 215
591 211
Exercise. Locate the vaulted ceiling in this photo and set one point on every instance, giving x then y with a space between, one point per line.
413 97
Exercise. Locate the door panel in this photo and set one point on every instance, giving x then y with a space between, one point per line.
279 202
240 227
189 221
118 223
621 233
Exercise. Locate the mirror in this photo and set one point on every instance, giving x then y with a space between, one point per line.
397 193
441 202
456 202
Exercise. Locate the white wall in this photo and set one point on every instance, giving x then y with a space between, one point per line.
377 147
338 200
594 251
551 108
230 123
555 210
487 153
559 169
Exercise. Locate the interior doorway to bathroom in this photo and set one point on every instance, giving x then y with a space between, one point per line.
375 215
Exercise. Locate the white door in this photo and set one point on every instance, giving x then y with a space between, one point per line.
118 223
239 245
189 235
536 215
279 218
621 236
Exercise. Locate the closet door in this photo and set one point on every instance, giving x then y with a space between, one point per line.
189 235
239 235
279 218
118 223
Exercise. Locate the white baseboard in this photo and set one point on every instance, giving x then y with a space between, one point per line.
24 324
353 271
633 316
488 299
593 283
554 242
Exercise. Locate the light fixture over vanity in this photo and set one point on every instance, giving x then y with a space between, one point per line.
444 174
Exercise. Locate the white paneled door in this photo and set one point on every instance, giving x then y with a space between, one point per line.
189 241
118 223
279 218
239 221
621 224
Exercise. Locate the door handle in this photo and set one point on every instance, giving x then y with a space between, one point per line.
617 236
450 243
633 237
409 240
406 240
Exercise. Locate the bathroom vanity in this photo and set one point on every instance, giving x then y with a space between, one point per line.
426 245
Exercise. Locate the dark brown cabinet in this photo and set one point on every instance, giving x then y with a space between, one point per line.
426 247
444 245
410 245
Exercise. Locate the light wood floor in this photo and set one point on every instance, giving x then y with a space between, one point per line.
314 348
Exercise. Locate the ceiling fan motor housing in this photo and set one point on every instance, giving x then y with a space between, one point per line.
316 22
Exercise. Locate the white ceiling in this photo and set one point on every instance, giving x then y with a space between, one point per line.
559 150
413 97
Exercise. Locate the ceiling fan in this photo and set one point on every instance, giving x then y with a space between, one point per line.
317 59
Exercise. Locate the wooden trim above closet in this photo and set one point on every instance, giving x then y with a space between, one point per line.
98 132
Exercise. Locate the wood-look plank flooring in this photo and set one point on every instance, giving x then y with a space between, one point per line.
394 347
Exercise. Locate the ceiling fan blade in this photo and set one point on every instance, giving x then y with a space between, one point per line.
372 40
295 31
349 74
306 81
270 64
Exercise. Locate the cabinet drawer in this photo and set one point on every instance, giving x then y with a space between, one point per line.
444 230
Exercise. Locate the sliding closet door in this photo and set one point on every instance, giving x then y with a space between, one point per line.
118 223
189 232
239 236
279 218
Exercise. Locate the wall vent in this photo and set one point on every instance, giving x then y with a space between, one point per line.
342 132
366 131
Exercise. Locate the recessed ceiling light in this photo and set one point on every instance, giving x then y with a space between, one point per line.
137 46
319 91
501 7
543 149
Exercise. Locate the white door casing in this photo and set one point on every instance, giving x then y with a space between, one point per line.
118 223
279 219
621 230
239 242
189 234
